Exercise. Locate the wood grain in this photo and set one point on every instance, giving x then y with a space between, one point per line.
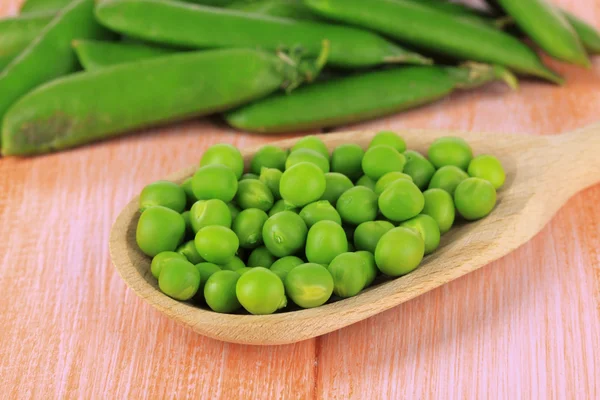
526 326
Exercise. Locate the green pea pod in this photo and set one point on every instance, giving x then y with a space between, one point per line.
427 28
16 34
43 6
292 9
589 36
90 106
187 25
361 97
94 54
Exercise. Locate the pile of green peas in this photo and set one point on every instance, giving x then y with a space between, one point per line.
303 227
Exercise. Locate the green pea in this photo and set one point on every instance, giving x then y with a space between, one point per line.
349 274
261 257
206 271
346 159
418 168
368 234
248 227
447 178
179 279
389 138
219 292
282 205
371 270
325 241
215 182
260 291
224 154
312 143
209 212
357 205
309 285
272 178
189 231
234 210
399 251
474 198
216 244
366 182
159 229
335 185
439 206
284 233
284 265
488 168
189 192
427 228
249 176
163 193
254 194
159 260
450 151
233 265
302 184
320 211
188 249
379 160
402 200
307 155
268 157
389 178
242 271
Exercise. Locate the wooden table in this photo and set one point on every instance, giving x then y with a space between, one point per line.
526 326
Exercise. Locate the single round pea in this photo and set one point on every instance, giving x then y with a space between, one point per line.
159 260
427 228
402 200
260 291
447 178
261 257
189 192
312 143
399 251
474 198
189 231
219 292
439 206
206 271
349 274
418 168
254 194
233 265
179 279
320 210
234 210
216 244
379 160
188 250
368 234
248 227
357 205
389 138
284 265
163 193
371 270
272 177
450 151
224 154
209 212
159 229
284 234
335 185
389 178
302 184
346 159
366 182
282 205
307 155
214 182
489 168
309 285
249 175
268 156
242 271
325 241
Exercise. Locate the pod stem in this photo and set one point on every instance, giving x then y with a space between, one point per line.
472 74
301 70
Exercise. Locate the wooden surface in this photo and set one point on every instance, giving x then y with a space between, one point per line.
526 326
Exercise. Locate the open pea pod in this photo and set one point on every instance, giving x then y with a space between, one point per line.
17 33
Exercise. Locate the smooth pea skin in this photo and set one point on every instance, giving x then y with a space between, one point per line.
189 251
346 159
179 279
357 205
308 155
336 184
368 234
161 258
282 205
302 184
439 206
427 228
219 292
284 265
309 285
272 178
216 244
209 212
163 193
215 182
489 168
248 227
366 182
388 179
189 192
254 194
399 251
381 159
450 151
233 265
418 168
447 178
159 229
349 274
325 241
312 143
474 198
371 270
260 291
402 200
389 138
224 154
261 257
268 157
284 233
242 271
320 211
206 270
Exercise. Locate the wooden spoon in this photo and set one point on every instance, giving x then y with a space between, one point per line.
542 174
